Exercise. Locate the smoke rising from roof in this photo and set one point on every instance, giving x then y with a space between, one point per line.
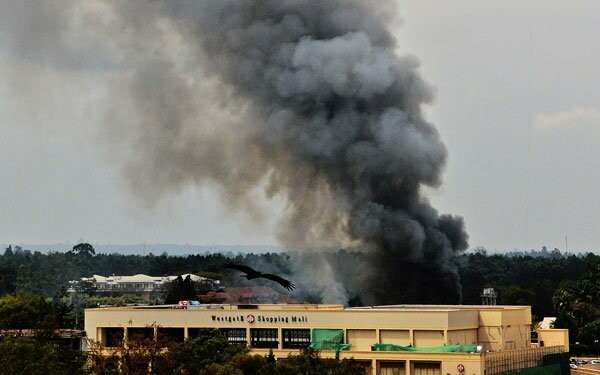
304 98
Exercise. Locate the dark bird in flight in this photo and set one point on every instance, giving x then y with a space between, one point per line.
251 273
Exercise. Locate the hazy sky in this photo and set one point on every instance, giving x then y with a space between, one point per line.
517 105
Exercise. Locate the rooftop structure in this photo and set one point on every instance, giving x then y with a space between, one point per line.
488 296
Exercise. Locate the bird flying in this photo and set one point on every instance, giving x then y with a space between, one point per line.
251 273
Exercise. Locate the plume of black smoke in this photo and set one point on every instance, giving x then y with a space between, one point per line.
306 98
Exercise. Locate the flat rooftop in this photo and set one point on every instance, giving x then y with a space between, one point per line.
319 307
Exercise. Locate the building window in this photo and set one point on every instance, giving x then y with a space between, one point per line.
235 335
296 338
140 335
170 335
264 338
392 368
112 337
426 368
195 332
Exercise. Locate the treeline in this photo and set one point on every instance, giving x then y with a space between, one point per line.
554 284
49 274
564 286
529 279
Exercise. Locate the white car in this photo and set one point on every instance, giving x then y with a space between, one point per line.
573 366
595 361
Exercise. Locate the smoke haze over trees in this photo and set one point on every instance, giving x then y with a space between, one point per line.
530 279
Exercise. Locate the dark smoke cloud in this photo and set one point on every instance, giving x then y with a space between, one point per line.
304 98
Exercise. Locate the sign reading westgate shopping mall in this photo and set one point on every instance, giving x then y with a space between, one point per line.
249 318
259 318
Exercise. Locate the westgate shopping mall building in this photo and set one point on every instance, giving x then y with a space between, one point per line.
388 340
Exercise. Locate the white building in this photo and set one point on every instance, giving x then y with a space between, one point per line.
137 284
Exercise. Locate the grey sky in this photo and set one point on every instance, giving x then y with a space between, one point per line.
519 182
517 105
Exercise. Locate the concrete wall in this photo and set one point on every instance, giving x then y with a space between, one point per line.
398 337
471 367
462 337
428 339
491 338
504 315
517 336
509 337
553 337
407 326
422 320
361 339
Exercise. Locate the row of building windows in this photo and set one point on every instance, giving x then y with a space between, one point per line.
264 338
127 286
259 337
235 335
296 338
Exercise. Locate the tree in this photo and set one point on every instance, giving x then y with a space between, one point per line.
84 248
101 360
27 355
140 355
180 289
309 362
481 251
249 364
30 326
27 312
209 353
516 295
208 347
8 277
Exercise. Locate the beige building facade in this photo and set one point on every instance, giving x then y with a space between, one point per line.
496 335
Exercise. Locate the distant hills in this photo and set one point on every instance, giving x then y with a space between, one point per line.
187 249
156 249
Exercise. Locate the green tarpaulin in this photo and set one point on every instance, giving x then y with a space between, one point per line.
328 339
437 349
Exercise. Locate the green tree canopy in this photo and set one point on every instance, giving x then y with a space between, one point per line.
181 289
26 312
84 248
27 355
208 347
